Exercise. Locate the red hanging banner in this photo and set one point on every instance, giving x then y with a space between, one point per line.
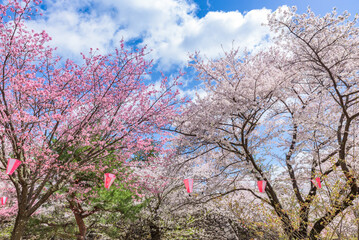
262 185
189 185
3 200
109 179
317 182
12 165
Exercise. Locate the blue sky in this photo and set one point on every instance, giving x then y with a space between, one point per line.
173 29
318 6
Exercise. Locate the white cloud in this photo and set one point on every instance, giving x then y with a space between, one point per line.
193 93
169 27
208 4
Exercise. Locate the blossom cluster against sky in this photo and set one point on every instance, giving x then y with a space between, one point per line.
172 29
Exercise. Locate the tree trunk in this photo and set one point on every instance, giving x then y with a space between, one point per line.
19 227
81 224
356 214
155 231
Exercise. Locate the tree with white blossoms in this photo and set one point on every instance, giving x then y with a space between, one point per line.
173 213
288 113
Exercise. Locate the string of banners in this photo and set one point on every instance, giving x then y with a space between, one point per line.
261 184
13 164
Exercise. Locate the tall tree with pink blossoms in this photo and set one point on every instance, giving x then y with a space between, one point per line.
286 115
50 108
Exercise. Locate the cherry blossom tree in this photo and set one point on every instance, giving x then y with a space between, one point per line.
57 117
86 196
286 115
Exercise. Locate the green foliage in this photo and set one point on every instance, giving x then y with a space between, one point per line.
109 209
114 207
184 228
5 230
117 200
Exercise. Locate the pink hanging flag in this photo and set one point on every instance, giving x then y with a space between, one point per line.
317 182
262 185
109 178
3 200
189 185
12 165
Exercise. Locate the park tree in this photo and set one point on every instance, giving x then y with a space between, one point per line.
285 114
86 196
50 108
84 216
